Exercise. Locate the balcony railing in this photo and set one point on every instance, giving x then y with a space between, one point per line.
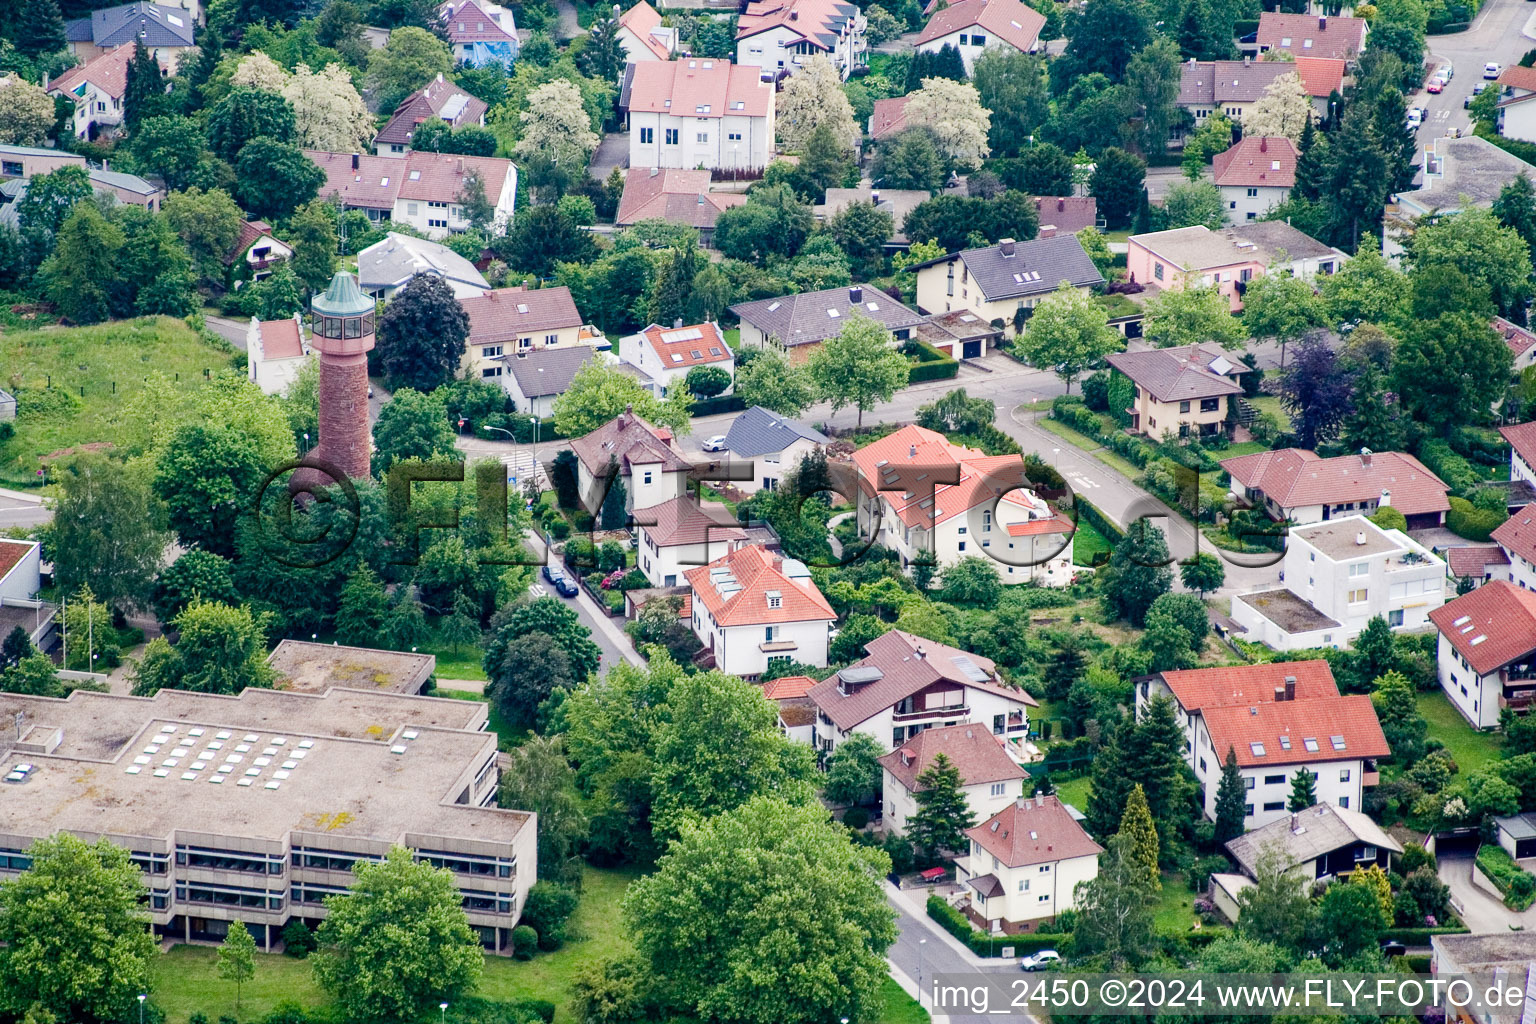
945 712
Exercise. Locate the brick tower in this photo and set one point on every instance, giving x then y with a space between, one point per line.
341 328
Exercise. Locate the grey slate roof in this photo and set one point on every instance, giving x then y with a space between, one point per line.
1036 267
127 182
1208 82
761 432
815 316
396 258
545 372
1180 374
1322 829
119 26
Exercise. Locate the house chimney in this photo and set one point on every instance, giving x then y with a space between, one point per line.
1322 22
1290 687
1295 823
1360 539
615 11
461 165
1386 497
911 451
794 15
855 295
676 323
355 160
1365 457
1263 144
1006 247
1061 204
921 652
1279 694
1247 61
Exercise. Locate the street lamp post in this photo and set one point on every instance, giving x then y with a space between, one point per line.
142 997
920 944
442 1012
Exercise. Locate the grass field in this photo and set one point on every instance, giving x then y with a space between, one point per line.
1232 451
1075 792
1469 747
92 371
509 735
1271 405
1118 463
1175 913
1088 543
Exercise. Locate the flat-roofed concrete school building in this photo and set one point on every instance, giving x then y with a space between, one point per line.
255 808
305 667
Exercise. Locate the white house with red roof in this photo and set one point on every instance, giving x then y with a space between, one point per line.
644 37
777 36
906 684
1276 719
1025 864
1522 451
256 252
1255 175
645 457
697 113
1516 536
1338 576
480 32
990 778
424 190
1517 112
20 570
922 496
752 607
439 99
1521 342
519 322
96 89
1301 486
666 354
683 533
1312 35
974 26
276 350
1486 652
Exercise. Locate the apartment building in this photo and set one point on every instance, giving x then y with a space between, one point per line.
752 607
1025 864
257 807
1486 653
697 113
777 36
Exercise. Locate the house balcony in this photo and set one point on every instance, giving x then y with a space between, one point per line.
1518 701
951 711
778 646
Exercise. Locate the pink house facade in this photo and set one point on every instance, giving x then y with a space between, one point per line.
1197 257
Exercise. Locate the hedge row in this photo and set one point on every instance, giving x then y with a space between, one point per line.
522 430
1517 884
1467 520
931 364
717 405
1443 461
1088 512
1102 429
982 944
1419 936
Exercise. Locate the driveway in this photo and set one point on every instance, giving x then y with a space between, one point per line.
1480 909
612 152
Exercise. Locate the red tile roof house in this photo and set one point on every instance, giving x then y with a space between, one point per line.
1486 651
777 36
974 26
697 113
439 99
646 458
644 37
255 252
422 190
1303 487
1517 537
96 89
797 715
1255 175
1025 864
1230 87
1478 563
20 585
1521 342
990 778
1312 35
519 321
919 495
752 607
1522 451
1065 215
674 195
276 351
666 354
683 533
889 118
905 684
1277 718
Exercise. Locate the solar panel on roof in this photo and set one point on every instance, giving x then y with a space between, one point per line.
686 334
969 669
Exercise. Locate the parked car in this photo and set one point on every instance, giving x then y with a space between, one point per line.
1415 117
565 586
552 573
1434 85
1390 948
1492 70
1447 72
1040 961
715 444
1477 90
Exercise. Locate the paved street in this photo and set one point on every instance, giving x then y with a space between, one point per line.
1499 34
939 958
17 508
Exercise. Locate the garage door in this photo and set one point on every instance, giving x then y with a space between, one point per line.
1525 847
971 350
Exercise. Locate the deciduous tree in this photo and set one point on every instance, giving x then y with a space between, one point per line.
411 425
247 114
1117 181
328 113
26 116
221 649
811 97
412 58
858 367
1317 392
1189 203
1202 572
422 334
540 779
862 230
1474 242
275 178
207 477
1069 333
208 224
769 381
555 125
1013 87
1367 288
952 111
1280 306
598 393
1448 370
1115 908
1282 112
237 957
853 771
1137 573
532 667
104 530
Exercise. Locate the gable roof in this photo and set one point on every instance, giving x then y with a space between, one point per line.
897 665
1012 21
280 339
695 345
1340 728
672 194
1234 685
396 258
1034 830
889 117
818 22
1474 559
1182 374
439 98
642 19
1516 337
696 87
971 747
1517 534
1490 626
544 372
122 26
375 182
686 520
107 71
1312 35
1307 835
1067 214
502 314
739 588
815 316
628 439
1320 76
1522 439
1012 269
483 23
1257 162
1296 477
1516 77
898 202
1214 82
788 687
760 431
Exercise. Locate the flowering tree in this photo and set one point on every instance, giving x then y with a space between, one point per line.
953 112
556 125
258 71
328 113
814 96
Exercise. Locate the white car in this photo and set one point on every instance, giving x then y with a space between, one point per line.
1491 70
715 444
1415 117
1040 961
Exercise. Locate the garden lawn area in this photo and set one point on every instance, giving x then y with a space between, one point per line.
465 663
1271 405
95 360
1075 791
1117 305
1233 451
185 980
1118 463
1175 911
508 735
1088 543
1469 747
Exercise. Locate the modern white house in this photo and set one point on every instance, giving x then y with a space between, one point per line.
906 684
776 36
424 190
925 497
773 444
1338 576
1517 112
752 607
1275 718
388 265
1025 864
681 534
276 350
697 112
646 459
20 570
990 778
666 354
974 26
1486 652
96 88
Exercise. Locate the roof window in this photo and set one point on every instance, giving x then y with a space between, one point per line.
1257 748
1337 741
1310 742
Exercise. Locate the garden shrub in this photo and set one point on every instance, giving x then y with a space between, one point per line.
1466 520
1456 471
1517 884
298 940
856 818
524 941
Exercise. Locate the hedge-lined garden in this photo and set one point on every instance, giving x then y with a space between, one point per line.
1516 883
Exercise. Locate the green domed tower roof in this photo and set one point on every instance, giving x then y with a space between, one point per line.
342 298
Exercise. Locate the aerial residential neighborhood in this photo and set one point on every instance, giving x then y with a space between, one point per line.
763 511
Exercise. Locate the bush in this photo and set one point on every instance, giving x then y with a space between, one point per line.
1517 885
856 818
286 1012
1466 520
982 944
549 906
559 528
1389 518
298 940
1419 936
717 405
540 1008
524 941
1456 471
1480 444
943 368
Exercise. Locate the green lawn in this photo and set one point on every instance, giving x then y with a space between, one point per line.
186 981
508 734
1075 792
1271 405
1088 543
94 360
1469 747
1118 463
900 1008
1175 913
1232 451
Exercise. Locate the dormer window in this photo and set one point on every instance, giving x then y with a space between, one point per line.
775 599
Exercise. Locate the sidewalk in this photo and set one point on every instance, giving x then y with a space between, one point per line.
915 902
